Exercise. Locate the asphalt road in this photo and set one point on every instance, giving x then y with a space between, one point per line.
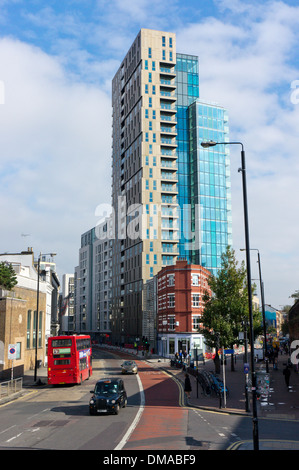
57 418
155 419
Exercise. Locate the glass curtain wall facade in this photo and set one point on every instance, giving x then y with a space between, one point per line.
210 183
187 81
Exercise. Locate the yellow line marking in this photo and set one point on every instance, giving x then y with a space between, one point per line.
18 398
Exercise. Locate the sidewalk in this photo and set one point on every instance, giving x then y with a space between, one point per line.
28 384
279 403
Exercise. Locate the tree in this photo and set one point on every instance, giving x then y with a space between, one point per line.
8 278
227 307
295 296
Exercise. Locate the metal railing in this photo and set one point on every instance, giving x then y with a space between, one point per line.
10 387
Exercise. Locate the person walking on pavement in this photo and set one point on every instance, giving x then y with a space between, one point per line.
188 387
287 373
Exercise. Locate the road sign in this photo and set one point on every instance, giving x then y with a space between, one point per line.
228 351
246 368
12 351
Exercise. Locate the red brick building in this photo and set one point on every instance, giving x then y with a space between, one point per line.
180 289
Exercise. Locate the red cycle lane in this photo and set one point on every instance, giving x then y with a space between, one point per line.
163 423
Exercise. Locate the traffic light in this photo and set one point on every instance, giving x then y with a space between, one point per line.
145 342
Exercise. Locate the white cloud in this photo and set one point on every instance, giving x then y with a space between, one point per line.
55 139
245 65
55 164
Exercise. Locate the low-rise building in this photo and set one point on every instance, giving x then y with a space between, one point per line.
294 321
18 317
180 290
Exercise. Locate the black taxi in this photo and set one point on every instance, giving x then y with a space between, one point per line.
109 395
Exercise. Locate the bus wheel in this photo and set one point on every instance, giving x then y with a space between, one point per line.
80 383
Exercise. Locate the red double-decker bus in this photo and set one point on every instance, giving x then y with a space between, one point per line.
69 359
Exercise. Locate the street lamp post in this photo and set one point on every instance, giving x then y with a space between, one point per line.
263 306
37 309
263 311
245 324
247 245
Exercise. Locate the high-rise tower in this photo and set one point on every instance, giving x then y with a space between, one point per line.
155 172
144 174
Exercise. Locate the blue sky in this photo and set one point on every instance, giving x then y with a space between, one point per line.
57 61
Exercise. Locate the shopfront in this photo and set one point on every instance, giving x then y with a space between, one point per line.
169 344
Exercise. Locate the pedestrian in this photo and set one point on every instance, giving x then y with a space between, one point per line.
188 387
287 373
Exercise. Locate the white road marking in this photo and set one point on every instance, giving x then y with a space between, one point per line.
126 437
14 437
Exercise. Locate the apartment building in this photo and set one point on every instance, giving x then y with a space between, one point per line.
170 197
67 310
92 283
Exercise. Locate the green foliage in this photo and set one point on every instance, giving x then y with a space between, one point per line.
295 296
227 307
8 278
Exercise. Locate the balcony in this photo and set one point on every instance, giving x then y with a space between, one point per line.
168 142
169 199
167 84
167 71
165 175
169 188
169 248
169 224
169 164
166 151
167 107
167 118
168 95
171 129
169 212
170 236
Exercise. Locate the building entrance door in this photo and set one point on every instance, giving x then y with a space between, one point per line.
184 345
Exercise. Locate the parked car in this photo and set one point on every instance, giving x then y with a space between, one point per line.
129 367
109 395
